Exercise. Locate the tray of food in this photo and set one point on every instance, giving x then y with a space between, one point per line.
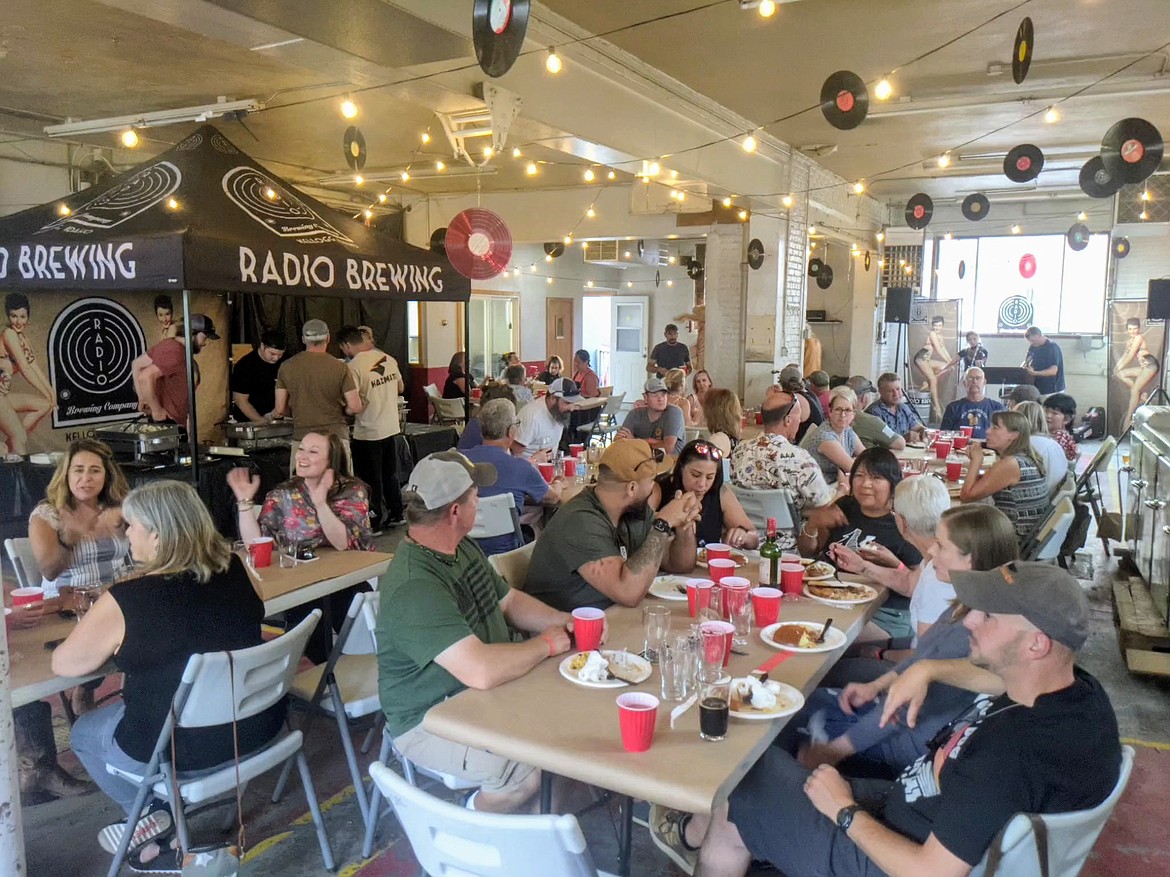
840 593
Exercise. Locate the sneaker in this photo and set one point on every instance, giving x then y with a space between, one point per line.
394 522
150 826
666 830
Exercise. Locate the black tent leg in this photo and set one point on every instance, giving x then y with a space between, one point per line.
192 418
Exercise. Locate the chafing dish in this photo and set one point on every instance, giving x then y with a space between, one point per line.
253 436
138 440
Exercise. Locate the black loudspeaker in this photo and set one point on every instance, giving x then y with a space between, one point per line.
1158 303
898 304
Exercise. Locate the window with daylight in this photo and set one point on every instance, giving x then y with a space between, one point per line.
1006 284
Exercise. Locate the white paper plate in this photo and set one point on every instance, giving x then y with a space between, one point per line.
844 601
834 639
820 578
634 660
740 558
792 695
666 588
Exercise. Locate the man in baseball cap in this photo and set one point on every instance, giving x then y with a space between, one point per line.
1047 742
443 625
160 374
658 422
607 544
543 420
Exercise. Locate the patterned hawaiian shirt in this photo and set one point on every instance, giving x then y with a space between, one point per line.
1068 444
289 513
770 461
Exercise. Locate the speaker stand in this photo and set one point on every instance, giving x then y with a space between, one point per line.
1159 394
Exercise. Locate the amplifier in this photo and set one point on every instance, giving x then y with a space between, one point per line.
815 316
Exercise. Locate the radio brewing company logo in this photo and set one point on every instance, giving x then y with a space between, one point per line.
92 344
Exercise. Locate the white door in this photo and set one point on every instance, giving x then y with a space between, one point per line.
628 343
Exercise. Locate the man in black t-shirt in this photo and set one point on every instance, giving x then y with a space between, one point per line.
1046 742
254 379
1044 362
669 354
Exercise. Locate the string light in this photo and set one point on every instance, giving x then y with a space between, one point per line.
611 176
590 212
787 201
531 169
63 210
358 179
749 143
172 204
674 175
270 193
948 236
743 215
1144 215
670 283
426 137
439 166
629 284
727 201
1082 216
406 176
626 254
382 198
883 90
812 229
859 187
767 8
349 109
908 269
1053 115
548 258
589 283
653 169
129 138
589 175
553 62
1146 195
568 239
670 260
548 280
944 160
881 236
516 153
1015 229
368 213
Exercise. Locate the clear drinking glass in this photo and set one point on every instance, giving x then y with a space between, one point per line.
288 548
739 610
84 597
674 665
712 650
655 624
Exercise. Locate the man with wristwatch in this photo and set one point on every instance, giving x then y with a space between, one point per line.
1045 740
606 545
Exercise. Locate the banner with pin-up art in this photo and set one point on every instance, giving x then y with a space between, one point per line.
933 347
1135 367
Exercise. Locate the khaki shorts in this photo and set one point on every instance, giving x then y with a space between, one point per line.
491 772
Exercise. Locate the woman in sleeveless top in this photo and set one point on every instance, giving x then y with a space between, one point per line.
724 416
834 444
1017 482
699 471
455 386
32 407
193 596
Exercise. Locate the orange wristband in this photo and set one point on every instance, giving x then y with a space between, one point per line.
551 647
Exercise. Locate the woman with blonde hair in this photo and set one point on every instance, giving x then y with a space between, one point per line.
553 369
724 416
192 596
701 385
1017 482
676 387
834 444
1056 464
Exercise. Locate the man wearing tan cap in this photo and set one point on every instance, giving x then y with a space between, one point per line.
1047 742
444 624
606 545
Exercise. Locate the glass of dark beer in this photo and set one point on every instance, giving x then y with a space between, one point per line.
714 706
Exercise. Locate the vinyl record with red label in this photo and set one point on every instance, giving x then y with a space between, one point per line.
354 146
1096 181
1022 51
1027 266
1078 237
919 210
844 100
479 244
497 29
1120 248
1023 163
1132 150
825 277
815 267
976 206
438 243
868 260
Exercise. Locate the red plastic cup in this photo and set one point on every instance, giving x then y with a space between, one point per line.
959 442
576 450
954 470
728 631
548 471
789 557
718 551
766 606
968 431
792 578
27 596
698 595
588 625
637 715
942 449
570 467
735 594
260 551
720 568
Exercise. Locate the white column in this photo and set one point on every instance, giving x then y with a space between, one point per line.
723 283
11 824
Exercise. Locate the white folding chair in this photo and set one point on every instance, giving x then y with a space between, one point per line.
1088 484
1048 539
446 410
20 552
351 677
606 423
1070 836
497 516
448 839
218 688
759 505
513 565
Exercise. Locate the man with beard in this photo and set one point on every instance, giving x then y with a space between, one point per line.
160 374
606 545
658 422
543 420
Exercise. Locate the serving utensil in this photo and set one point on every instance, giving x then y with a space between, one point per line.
824 630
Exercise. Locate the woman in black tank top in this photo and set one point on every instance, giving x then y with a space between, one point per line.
699 470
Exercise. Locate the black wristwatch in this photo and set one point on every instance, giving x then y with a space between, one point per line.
661 526
845 817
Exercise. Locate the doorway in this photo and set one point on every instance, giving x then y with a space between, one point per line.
558 339
614 331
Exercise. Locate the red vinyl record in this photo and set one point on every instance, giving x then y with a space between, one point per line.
1027 266
479 244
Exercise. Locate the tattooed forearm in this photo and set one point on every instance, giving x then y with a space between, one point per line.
649 556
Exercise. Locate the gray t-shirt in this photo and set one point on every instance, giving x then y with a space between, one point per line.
579 533
667 356
671 423
873 431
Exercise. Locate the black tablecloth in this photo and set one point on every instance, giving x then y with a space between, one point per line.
425 439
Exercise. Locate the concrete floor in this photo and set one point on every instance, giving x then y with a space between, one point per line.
60 836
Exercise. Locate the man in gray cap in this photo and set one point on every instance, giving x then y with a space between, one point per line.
160 374
658 422
1047 742
317 390
443 625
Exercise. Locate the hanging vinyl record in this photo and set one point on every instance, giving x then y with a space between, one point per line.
825 277
438 242
1120 248
1022 51
919 210
1096 181
1078 237
1028 266
1023 163
556 249
868 260
962 268
844 100
1132 150
755 254
354 145
657 279
694 269
976 206
497 29
478 243
815 267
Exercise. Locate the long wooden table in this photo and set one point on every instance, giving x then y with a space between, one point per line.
32 678
566 729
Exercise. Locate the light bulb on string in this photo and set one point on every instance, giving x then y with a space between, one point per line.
270 193
172 204
883 90
568 239
944 160
349 109
1145 194
743 215
63 210
381 197
749 143
1052 115
129 138
368 213
548 258
548 280
1144 215
611 176
859 187
590 212
589 284
406 176
727 201
948 236
767 8
629 284
589 175
1082 216
881 236
812 229
626 254
439 166
1015 229
670 283
426 137
787 201
358 179
584 245
653 169
553 62
674 175
531 169
670 260
516 153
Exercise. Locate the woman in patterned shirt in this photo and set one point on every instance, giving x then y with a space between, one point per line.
1017 482
1059 411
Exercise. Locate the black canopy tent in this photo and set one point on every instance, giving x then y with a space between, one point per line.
205 216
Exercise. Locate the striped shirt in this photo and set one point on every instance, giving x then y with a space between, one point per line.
1026 501
95 561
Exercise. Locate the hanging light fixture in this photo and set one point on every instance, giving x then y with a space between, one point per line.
553 62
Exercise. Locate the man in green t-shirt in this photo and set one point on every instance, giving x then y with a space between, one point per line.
444 625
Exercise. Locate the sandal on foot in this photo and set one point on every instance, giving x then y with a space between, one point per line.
146 829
